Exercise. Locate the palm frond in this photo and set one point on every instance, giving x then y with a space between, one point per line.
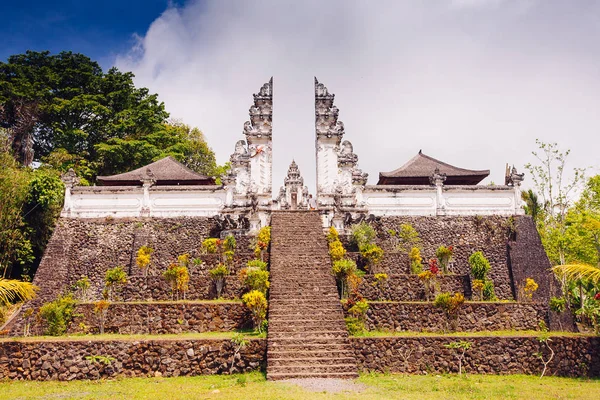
578 271
12 290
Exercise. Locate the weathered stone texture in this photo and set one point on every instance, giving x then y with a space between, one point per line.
472 316
410 288
201 287
66 360
467 234
575 356
162 318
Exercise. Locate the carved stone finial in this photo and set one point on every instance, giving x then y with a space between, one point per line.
512 177
359 177
261 114
326 114
148 179
436 178
240 156
70 178
293 178
346 156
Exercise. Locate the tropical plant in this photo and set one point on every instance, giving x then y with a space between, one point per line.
255 279
12 290
256 302
336 250
478 285
218 275
416 261
451 305
101 311
115 279
263 239
444 255
358 316
258 264
579 272
142 259
211 245
82 286
178 276
239 342
342 269
57 315
459 348
332 235
545 341
529 288
372 254
381 281
362 234
408 238
480 266
489 293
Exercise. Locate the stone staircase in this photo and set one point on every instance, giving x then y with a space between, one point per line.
307 335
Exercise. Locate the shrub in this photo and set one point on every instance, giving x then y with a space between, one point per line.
444 255
256 302
178 276
451 305
263 239
258 264
558 304
218 275
183 260
115 279
142 260
372 255
359 310
57 315
408 238
478 286
229 243
530 288
416 261
489 293
82 286
354 325
210 245
336 250
480 265
342 269
459 348
256 279
332 235
362 234
101 311
429 280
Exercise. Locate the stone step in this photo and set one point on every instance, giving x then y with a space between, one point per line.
307 327
312 368
334 375
329 334
281 352
327 360
308 344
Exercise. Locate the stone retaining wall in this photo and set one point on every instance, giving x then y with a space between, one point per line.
201 287
410 288
467 234
162 318
472 317
66 360
575 356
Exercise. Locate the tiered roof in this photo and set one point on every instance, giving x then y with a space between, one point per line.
166 171
420 168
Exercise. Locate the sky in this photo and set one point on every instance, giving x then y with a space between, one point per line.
471 82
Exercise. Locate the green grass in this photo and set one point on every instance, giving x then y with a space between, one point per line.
507 333
115 336
254 386
215 301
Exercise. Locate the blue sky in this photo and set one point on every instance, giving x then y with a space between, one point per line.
98 29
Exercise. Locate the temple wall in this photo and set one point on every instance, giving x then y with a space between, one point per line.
132 201
384 200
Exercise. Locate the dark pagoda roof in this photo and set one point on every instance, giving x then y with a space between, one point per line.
166 171
418 170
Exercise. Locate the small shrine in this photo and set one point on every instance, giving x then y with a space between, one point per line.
293 194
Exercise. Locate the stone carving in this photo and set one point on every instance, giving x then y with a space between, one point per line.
261 115
512 178
228 222
437 179
326 114
346 156
70 178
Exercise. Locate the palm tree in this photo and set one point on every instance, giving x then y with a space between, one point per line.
579 272
12 290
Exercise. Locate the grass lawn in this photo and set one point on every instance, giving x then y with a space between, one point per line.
248 333
508 333
254 386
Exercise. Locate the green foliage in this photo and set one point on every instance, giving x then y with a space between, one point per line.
12 291
179 277
451 304
480 265
257 304
408 238
142 259
336 250
229 243
372 254
57 315
416 261
116 276
332 235
218 275
81 286
99 359
258 264
359 309
257 279
459 348
342 269
362 234
211 245
354 325
489 294
444 255
263 239
558 304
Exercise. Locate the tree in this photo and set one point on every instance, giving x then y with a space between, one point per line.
12 290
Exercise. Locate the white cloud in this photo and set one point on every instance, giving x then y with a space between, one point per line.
473 86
